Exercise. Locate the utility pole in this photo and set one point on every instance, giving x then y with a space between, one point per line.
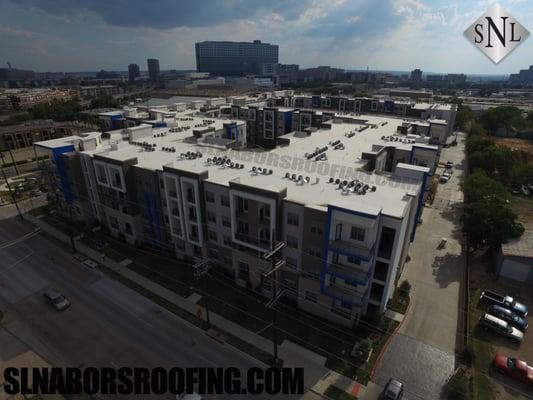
71 228
9 187
12 160
201 269
277 264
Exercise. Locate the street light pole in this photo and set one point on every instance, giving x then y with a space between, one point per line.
201 269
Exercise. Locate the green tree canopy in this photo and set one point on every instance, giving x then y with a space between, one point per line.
502 117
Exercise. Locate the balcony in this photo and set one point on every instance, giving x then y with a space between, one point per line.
354 273
355 296
361 251
244 237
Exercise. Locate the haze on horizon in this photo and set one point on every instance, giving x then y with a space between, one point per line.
88 35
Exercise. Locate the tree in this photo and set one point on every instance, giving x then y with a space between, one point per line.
464 117
490 221
478 186
106 101
502 117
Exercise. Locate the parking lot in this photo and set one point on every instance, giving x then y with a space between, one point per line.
505 387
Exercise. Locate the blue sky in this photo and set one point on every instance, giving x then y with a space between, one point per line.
84 35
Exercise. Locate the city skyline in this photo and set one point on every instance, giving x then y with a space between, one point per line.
86 36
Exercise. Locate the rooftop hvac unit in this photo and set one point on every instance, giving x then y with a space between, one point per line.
331 180
287 175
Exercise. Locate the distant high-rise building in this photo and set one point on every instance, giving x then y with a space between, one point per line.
133 72
456 78
153 69
524 77
416 75
235 58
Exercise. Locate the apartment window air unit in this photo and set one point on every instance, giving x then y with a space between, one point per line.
357 233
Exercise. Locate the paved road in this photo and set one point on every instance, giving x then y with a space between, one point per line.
107 325
422 353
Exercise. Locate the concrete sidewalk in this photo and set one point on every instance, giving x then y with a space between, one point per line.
317 376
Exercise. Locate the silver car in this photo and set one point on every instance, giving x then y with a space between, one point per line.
491 323
56 299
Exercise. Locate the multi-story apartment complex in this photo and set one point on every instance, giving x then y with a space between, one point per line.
235 58
437 117
344 192
100 90
19 138
22 99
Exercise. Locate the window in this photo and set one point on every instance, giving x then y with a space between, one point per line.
227 241
315 252
242 204
264 212
292 219
190 195
376 292
243 270
115 175
381 271
316 228
310 296
291 262
211 217
346 305
226 222
292 241
357 233
386 243
212 235
209 196
353 260
242 228
101 173
128 229
224 200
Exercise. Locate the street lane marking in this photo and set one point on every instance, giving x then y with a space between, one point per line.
17 262
19 239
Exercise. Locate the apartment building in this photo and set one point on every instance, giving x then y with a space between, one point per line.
438 115
345 197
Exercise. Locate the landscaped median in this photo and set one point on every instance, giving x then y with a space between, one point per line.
333 392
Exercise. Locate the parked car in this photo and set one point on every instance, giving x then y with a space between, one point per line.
449 165
514 367
393 390
508 316
505 301
56 299
491 323
445 177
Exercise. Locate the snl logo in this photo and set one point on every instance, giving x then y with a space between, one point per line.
496 33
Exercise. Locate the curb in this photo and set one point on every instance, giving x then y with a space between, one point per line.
387 343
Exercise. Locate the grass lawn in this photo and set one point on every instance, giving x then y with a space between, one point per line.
334 392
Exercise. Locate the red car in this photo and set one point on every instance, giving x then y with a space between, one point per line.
515 368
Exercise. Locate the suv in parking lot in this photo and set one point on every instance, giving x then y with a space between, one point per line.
508 316
491 323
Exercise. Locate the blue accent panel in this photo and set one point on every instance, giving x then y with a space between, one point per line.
287 121
233 132
152 211
388 106
315 100
159 125
61 171
423 192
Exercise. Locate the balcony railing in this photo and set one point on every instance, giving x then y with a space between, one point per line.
361 251
245 237
354 273
353 296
